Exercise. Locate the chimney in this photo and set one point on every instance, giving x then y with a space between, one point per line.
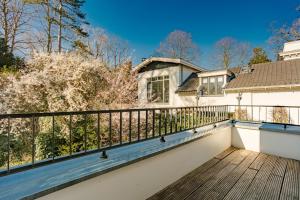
291 50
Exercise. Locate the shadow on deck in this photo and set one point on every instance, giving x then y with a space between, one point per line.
238 174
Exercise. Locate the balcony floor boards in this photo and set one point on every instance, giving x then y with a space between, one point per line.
238 174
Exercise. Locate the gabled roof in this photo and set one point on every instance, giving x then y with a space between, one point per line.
167 60
266 75
191 84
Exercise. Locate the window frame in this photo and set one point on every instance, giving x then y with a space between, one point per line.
165 94
215 84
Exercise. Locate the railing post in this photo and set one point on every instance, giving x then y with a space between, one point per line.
153 123
8 144
98 131
33 140
146 124
53 139
121 128
129 124
85 132
70 135
139 125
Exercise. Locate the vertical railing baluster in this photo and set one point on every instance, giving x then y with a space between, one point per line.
130 118
53 139
153 123
70 135
146 124
139 125
176 120
110 129
159 123
165 122
98 131
121 128
33 140
171 120
8 143
85 133
289 115
180 123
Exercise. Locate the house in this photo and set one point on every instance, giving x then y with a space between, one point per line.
167 82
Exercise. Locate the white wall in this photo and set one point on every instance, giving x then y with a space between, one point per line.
144 178
288 98
275 143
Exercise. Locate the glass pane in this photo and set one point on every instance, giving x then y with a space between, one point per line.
157 91
166 92
212 86
219 85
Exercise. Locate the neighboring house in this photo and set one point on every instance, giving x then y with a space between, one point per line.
165 82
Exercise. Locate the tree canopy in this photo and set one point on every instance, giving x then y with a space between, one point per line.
179 44
259 56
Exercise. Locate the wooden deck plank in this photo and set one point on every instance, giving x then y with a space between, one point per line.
272 188
174 187
225 153
258 162
239 174
195 182
219 176
241 186
280 167
224 186
187 185
290 187
256 188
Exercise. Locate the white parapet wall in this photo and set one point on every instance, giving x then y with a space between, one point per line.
269 139
142 179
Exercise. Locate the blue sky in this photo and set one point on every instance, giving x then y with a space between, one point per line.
144 23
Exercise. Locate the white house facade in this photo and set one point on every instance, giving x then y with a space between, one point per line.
166 82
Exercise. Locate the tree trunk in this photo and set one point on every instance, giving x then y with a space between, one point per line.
49 24
59 39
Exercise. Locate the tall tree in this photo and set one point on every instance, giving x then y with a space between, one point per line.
69 20
229 51
179 44
13 20
46 17
259 56
284 33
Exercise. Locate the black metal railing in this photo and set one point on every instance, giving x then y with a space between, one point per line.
34 139
265 113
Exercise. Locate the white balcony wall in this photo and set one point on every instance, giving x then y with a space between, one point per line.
277 143
144 178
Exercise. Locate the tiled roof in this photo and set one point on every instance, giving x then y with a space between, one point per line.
190 84
268 74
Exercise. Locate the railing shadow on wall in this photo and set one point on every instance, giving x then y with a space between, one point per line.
35 139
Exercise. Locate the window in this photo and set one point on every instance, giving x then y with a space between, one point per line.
213 85
158 89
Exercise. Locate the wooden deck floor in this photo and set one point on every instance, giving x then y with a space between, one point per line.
238 174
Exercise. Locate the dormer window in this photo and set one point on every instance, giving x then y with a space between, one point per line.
213 85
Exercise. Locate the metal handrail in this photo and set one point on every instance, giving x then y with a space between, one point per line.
150 123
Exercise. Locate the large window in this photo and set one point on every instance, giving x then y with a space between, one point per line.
213 85
158 89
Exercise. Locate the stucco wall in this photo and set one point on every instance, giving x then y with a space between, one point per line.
143 179
288 98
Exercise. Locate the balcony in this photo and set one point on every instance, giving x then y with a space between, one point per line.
214 152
